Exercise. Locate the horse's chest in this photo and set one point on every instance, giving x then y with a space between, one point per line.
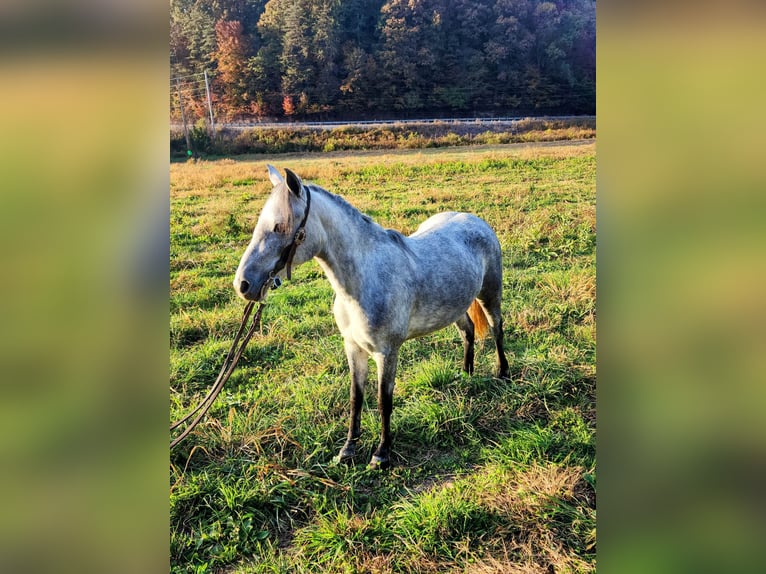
370 328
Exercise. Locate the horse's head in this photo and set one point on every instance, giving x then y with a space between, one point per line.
274 237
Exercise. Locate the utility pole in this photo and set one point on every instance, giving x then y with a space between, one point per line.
189 152
209 103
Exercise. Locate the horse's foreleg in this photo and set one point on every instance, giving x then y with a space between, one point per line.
357 363
386 375
465 328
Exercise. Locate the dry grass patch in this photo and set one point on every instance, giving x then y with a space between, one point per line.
539 503
531 320
205 176
535 519
576 288
508 562
521 495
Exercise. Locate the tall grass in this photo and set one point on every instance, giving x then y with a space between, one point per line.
489 476
395 136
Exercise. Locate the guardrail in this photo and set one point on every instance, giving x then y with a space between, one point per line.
335 124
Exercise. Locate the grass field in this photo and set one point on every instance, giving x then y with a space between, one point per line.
489 476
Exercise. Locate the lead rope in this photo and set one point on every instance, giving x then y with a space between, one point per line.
232 357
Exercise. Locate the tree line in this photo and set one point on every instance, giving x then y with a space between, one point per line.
325 59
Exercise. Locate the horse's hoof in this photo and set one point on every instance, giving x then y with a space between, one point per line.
346 454
379 463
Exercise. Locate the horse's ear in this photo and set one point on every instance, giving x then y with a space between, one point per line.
274 176
293 182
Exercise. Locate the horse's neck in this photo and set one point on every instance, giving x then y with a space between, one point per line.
347 242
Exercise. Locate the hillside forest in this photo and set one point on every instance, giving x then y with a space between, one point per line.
353 59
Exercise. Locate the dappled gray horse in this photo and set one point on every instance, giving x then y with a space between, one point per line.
388 287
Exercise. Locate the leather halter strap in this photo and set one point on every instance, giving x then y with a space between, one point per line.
286 258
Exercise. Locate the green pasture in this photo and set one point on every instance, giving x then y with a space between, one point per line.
488 476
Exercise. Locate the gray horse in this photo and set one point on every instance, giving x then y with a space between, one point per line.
388 287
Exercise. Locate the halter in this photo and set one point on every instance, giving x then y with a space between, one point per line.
286 258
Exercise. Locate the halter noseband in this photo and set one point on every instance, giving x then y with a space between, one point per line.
286 258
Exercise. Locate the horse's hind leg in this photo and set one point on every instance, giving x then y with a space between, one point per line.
501 364
465 328
357 363
489 299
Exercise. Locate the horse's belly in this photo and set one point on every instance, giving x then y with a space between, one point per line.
423 323
446 289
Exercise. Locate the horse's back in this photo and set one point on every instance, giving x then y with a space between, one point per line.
455 253
440 222
459 229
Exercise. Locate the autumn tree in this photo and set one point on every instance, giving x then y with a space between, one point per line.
231 59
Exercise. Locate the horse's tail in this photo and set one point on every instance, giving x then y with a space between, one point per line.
479 319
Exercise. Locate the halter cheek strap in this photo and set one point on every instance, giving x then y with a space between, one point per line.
288 253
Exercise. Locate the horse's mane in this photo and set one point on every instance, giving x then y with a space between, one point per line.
345 205
365 219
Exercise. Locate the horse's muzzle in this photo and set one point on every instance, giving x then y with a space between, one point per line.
247 291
